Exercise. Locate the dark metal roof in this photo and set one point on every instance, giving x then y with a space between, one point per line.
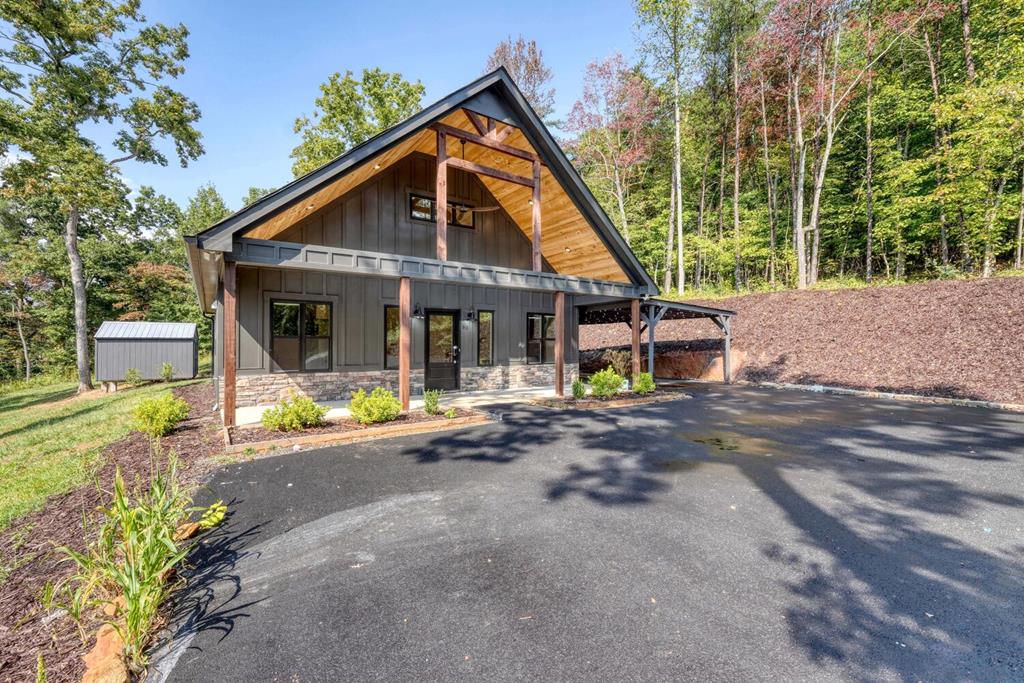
138 329
219 236
619 311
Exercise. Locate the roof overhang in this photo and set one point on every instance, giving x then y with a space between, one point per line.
205 266
493 95
618 311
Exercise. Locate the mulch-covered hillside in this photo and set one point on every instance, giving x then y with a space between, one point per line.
962 339
29 544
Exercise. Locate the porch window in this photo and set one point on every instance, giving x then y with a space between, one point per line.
485 338
392 329
540 338
300 336
422 208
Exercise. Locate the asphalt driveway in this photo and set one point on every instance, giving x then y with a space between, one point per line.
740 534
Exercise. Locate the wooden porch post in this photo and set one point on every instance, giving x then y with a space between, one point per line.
230 342
404 340
727 350
441 199
635 325
559 343
537 257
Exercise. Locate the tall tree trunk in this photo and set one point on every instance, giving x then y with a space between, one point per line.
670 238
934 58
770 185
965 24
799 237
19 312
1018 259
701 207
989 263
869 161
78 290
736 247
677 162
620 199
721 208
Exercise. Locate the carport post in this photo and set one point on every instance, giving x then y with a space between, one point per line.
727 349
634 324
559 343
651 323
230 342
404 339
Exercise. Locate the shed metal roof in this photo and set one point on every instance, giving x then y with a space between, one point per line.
139 329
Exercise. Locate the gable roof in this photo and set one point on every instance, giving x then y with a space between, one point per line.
141 329
579 216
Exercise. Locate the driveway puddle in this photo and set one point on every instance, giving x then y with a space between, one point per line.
718 442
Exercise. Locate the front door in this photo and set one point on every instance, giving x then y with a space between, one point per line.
441 369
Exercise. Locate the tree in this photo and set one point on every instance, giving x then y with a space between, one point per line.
612 124
67 70
524 62
350 111
205 208
254 195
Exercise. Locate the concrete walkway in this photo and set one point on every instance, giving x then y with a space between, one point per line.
458 399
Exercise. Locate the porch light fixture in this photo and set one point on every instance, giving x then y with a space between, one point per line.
417 312
470 314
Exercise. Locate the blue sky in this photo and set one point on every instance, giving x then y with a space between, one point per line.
255 66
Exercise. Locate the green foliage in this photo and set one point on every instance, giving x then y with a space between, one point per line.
619 360
579 389
133 555
451 413
40 668
605 383
643 383
350 111
166 372
132 377
294 414
159 415
431 398
380 406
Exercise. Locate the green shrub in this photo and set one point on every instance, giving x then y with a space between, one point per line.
643 383
167 372
157 416
450 413
431 398
133 556
619 360
380 406
605 383
579 389
298 412
132 377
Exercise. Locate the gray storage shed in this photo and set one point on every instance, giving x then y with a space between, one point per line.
146 346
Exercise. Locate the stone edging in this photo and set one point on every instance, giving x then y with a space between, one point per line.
913 398
618 403
357 435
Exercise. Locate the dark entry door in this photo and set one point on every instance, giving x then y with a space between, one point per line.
442 354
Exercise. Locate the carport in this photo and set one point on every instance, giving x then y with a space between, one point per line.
643 316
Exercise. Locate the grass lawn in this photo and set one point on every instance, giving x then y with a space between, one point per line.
50 440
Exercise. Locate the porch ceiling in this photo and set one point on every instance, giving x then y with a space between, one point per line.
568 241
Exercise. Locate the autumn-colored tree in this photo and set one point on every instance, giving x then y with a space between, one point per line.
524 62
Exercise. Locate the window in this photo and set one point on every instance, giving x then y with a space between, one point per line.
540 338
392 328
423 208
300 336
485 338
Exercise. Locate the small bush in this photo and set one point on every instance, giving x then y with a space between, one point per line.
167 372
579 389
380 406
618 360
157 416
298 412
605 383
643 383
450 413
132 377
431 398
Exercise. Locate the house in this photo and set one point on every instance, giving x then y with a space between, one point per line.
458 250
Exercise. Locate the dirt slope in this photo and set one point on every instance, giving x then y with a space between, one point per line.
962 339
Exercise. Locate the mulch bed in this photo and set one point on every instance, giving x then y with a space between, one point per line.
29 544
255 434
957 339
618 400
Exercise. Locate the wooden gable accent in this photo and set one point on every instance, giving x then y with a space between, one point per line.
568 242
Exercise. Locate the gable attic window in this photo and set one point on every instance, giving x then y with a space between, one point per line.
423 208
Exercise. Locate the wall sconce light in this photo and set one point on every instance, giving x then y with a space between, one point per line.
470 314
417 312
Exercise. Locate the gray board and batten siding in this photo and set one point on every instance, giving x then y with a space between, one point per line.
358 316
145 346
